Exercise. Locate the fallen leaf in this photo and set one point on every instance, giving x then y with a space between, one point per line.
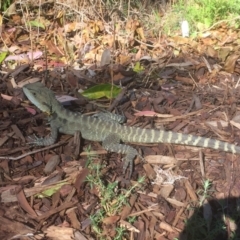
106 57
102 90
31 110
230 63
25 57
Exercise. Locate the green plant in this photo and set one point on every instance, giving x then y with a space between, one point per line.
112 199
204 193
132 219
197 227
201 14
202 226
4 5
120 233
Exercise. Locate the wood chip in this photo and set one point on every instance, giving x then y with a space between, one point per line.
175 202
166 190
150 172
18 132
51 164
5 138
160 159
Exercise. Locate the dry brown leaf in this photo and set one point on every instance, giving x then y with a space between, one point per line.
128 208
23 201
73 218
100 25
223 52
208 41
106 57
124 59
117 77
230 62
85 35
70 27
52 49
210 51
140 32
80 179
111 219
138 54
178 40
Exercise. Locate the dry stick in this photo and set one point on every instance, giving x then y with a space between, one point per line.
29 153
64 206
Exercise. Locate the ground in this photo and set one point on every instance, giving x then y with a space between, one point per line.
74 188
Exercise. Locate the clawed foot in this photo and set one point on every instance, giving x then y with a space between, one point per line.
34 140
129 162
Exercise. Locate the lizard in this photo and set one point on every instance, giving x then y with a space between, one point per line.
107 128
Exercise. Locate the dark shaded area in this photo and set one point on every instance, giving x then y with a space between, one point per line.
221 224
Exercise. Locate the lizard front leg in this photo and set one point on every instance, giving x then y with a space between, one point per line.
46 141
112 143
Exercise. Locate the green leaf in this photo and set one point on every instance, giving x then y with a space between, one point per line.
36 24
3 56
102 90
51 190
138 67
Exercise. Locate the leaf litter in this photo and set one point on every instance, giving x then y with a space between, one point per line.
173 83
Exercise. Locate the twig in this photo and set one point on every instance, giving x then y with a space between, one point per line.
32 152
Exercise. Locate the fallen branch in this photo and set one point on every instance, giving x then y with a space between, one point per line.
32 152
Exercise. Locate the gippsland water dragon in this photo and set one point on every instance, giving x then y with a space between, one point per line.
107 128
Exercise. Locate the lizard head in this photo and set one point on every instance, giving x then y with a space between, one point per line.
40 96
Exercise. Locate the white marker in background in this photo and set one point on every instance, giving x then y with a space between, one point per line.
185 28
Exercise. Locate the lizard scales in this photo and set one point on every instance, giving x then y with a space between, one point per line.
107 129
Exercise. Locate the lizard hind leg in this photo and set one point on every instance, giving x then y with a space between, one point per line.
112 143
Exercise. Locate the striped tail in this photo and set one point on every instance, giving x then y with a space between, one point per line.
140 135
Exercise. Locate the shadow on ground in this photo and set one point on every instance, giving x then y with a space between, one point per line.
221 221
